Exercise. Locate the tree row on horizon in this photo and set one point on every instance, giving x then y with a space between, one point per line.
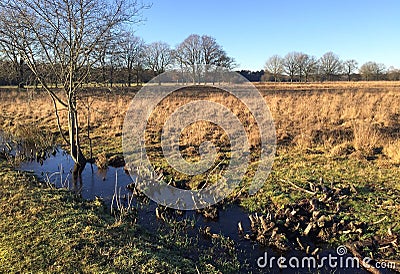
128 59
125 59
302 67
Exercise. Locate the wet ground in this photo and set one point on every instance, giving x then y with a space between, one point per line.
55 168
254 257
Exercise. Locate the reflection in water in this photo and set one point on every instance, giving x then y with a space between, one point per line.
96 183
25 151
102 183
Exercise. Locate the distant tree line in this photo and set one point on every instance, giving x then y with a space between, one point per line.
301 67
124 59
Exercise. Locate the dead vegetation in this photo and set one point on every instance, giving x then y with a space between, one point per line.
363 115
300 86
317 219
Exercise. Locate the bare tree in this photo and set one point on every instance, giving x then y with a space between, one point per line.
190 54
62 35
158 56
225 61
301 60
140 64
100 55
349 67
113 58
274 66
211 50
372 71
212 53
10 51
367 70
197 54
132 53
290 65
330 65
380 71
393 74
309 67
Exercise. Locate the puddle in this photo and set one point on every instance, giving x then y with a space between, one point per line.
101 183
95 183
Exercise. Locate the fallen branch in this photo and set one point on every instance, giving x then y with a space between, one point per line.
298 187
364 264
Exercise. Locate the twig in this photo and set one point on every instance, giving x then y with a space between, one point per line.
380 221
210 174
58 120
298 187
115 193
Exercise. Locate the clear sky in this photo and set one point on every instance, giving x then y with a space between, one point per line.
251 31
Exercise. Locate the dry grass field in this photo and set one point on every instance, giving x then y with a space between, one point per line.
345 135
363 116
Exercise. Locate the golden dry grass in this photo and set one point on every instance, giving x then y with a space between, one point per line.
364 114
392 150
328 85
368 119
35 109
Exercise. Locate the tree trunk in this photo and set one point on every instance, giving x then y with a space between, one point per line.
194 74
129 76
111 76
76 153
103 72
21 73
137 76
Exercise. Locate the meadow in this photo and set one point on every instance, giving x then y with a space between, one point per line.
343 136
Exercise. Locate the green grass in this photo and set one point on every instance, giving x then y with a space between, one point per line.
377 183
48 230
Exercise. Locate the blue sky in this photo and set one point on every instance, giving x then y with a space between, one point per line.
251 31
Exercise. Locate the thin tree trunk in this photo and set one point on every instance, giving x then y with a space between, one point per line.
76 153
21 73
111 76
137 74
194 74
129 76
